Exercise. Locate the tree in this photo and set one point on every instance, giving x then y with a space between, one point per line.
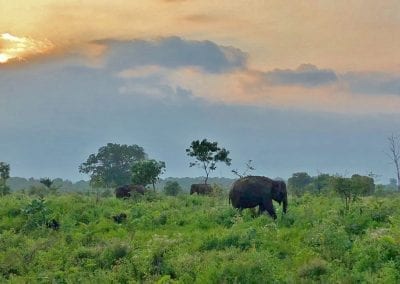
4 176
363 185
350 188
146 172
207 155
111 166
344 188
298 182
46 182
49 184
394 155
172 188
249 167
321 181
97 182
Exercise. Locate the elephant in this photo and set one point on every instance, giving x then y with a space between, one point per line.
250 191
127 191
119 218
53 224
200 188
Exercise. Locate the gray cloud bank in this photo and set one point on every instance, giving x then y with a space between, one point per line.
173 52
306 75
53 116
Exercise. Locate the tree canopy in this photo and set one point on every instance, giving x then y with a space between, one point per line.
146 172
111 166
207 155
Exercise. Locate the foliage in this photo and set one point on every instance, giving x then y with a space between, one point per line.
298 182
351 188
4 175
146 172
46 182
172 188
207 155
197 239
49 184
363 185
111 166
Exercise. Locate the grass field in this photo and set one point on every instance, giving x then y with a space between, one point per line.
197 239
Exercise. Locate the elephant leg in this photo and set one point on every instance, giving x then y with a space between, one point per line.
269 207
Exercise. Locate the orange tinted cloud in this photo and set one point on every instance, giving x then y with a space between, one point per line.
344 35
14 48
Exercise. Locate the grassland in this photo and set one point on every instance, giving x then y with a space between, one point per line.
197 239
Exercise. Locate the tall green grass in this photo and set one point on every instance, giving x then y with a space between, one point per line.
197 239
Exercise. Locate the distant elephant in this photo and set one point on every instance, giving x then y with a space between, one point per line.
252 191
127 191
119 218
200 188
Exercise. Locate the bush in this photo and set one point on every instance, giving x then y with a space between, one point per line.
314 269
172 188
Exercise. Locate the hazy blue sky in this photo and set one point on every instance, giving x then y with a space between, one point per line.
287 104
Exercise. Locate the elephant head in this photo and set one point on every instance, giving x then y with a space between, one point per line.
279 193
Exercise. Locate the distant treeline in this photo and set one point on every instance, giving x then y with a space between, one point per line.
18 183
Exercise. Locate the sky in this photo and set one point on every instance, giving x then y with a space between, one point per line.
292 85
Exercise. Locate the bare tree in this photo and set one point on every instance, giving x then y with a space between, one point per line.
394 155
249 167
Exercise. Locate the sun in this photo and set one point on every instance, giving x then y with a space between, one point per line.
3 58
20 48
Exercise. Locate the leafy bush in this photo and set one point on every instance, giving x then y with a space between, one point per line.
38 214
172 188
314 269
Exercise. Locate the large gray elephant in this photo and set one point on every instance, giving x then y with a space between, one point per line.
128 190
200 188
252 191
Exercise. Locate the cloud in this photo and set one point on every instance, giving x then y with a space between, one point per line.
173 52
306 75
13 48
373 83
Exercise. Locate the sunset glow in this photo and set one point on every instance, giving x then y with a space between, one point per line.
21 48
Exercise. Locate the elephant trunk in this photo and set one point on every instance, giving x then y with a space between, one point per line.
285 203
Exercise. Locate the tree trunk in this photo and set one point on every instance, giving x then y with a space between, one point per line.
394 154
398 176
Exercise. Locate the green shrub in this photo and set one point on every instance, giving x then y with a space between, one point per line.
172 188
113 253
313 269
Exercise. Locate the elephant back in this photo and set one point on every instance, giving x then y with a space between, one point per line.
200 188
126 191
247 189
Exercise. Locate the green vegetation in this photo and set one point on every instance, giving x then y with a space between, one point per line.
207 154
69 238
172 188
111 166
146 172
4 176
